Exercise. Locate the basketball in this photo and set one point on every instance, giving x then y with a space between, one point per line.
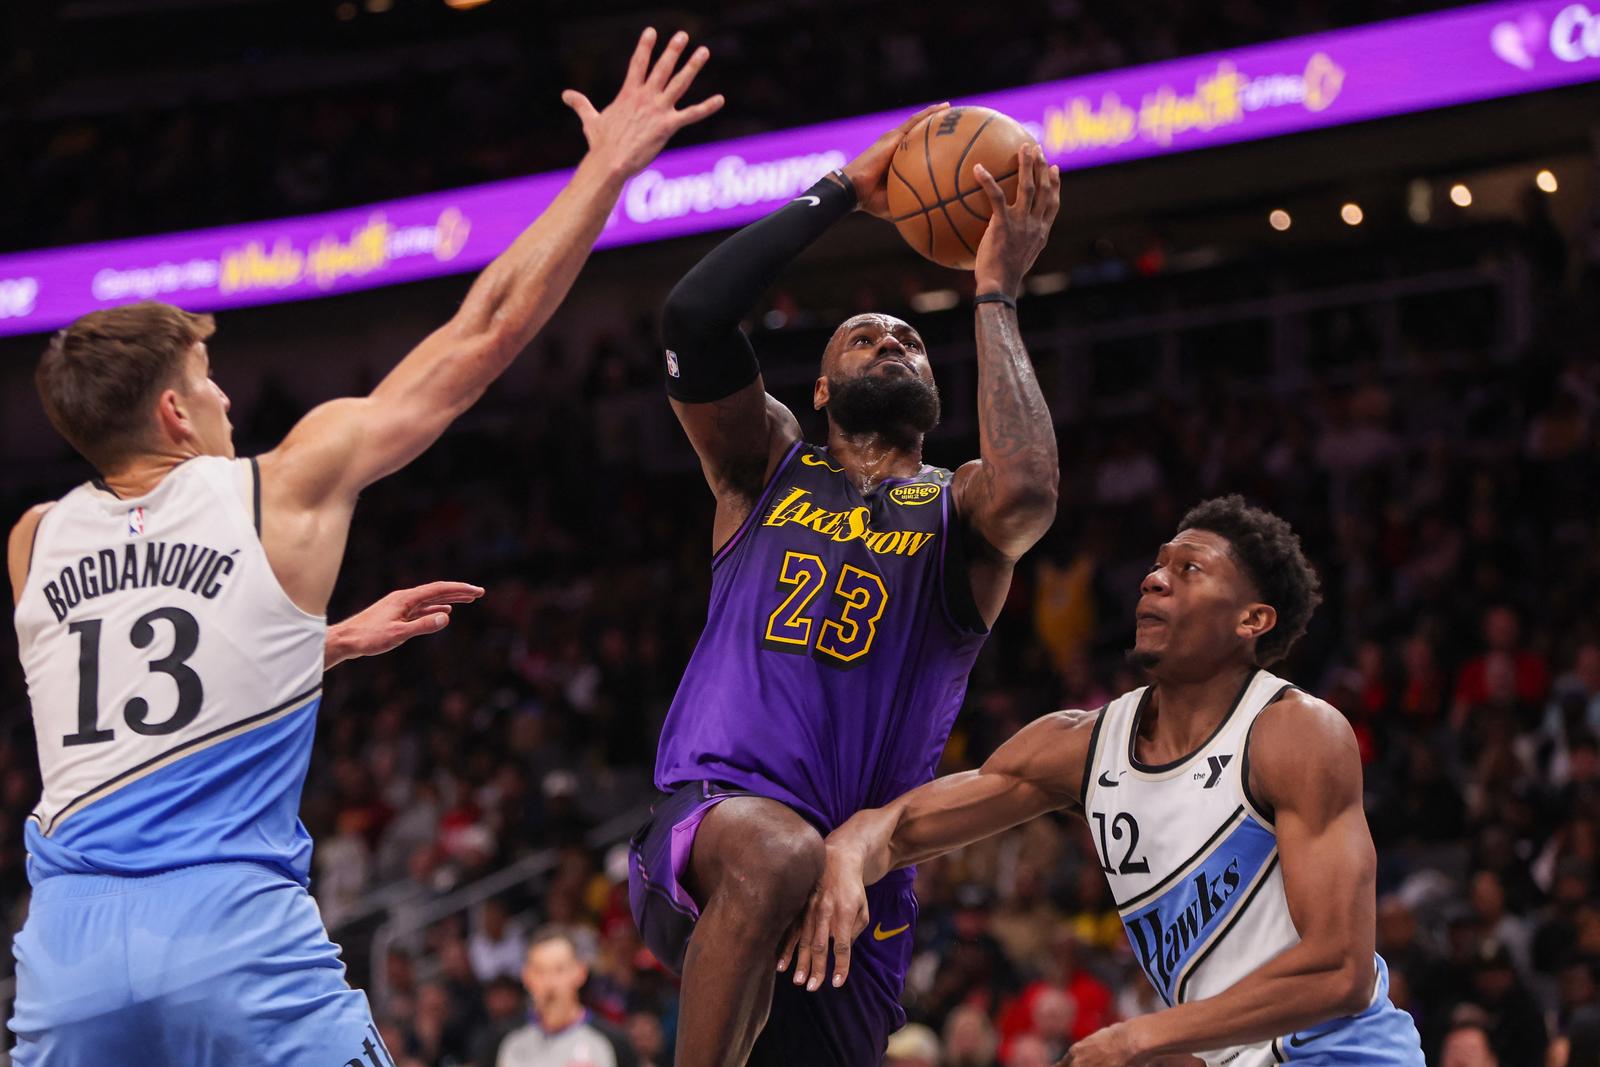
934 200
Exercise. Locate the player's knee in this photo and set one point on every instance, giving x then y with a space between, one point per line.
779 874
796 860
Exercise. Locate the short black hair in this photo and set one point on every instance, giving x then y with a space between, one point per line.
1269 552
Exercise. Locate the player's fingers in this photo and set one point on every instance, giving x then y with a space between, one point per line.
668 61
1053 197
791 941
639 62
1025 179
802 952
841 957
819 964
1041 181
428 624
446 592
997 196
580 103
455 596
685 77
817 947
924 113
692 114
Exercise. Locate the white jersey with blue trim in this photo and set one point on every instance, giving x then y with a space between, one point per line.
174 684
1191 858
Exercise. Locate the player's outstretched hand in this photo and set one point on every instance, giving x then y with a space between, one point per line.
1118 1046
869 172
635 126
1017 231
396 619
836 914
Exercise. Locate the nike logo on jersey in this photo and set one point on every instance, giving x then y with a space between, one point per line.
1295 1040
880 934
814 201
1109 782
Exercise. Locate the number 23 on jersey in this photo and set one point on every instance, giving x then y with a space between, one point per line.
849 615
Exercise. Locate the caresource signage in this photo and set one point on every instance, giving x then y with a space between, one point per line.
1290 86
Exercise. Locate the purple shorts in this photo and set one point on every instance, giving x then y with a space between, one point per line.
847 1027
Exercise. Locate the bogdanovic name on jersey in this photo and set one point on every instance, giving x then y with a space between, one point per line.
193 568
1162 946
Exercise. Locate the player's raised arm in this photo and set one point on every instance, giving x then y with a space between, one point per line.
713 379
343 446
1007 497
1038 770
1303 763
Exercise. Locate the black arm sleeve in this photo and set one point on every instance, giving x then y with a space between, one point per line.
708 356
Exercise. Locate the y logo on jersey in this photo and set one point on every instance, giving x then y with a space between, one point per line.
135 521
1216 763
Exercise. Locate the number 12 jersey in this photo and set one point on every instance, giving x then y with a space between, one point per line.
174 685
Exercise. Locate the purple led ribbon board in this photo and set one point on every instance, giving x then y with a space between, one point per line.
1306 83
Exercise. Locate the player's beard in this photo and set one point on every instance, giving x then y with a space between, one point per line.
1142 659
870 403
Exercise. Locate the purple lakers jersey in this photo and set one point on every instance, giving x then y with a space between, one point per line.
832 664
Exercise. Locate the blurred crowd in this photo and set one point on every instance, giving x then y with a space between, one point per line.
1446 497
291 110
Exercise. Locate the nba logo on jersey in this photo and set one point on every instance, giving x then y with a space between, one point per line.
672 363
135 521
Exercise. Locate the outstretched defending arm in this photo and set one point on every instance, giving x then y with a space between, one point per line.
1007 497
1038 770
392 621
309 482
1304 763
713 379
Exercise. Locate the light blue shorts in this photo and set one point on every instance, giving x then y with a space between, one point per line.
1381 1036
221 964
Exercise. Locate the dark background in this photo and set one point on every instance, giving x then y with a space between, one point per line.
1418 395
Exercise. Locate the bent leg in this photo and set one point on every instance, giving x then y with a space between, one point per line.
754 864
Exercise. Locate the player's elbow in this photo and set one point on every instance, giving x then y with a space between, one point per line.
1026 506
1351 986
685 315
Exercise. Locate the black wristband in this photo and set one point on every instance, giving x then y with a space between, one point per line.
995 298
846 184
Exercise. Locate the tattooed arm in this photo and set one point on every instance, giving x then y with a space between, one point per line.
1007 497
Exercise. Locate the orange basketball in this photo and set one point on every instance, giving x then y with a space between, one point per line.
935 202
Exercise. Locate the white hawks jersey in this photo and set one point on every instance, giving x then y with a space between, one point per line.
174 685
1192 859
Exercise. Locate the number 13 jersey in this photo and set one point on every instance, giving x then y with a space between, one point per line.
174 684
837 646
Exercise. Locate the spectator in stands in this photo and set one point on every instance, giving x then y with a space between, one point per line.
561 1031
1088 998
498 946
1527 674
504 1010
1514 1023
969 1040
1467 1044
913 1045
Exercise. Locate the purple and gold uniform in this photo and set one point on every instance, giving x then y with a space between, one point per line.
835 657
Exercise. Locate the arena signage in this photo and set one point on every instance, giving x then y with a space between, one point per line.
1306 83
